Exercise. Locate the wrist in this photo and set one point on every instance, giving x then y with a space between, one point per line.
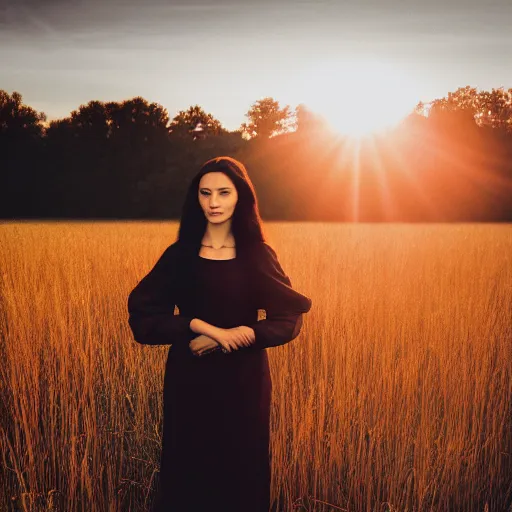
213 331
201 327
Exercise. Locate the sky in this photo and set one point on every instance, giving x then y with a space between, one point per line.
226 54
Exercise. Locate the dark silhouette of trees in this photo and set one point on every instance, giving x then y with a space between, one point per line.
21 128
448 160
100 154
195 123
18 120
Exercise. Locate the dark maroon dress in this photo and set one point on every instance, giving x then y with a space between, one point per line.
215 448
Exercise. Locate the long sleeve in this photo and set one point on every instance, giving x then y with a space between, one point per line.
151 306
283 305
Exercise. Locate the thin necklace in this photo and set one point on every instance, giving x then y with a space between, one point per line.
227 246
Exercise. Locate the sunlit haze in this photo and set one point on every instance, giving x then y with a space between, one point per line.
362 65
358 97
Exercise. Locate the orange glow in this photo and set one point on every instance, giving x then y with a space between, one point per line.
360 96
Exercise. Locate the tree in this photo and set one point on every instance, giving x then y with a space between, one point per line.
17 119
495 108
464 98
103 152
492 109
267 119
421 108
138 120
456 111
20 150
195 123
89 125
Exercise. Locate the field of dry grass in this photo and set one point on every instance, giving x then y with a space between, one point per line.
396 396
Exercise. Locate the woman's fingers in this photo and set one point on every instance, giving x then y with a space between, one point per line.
232 339
244 339
231 346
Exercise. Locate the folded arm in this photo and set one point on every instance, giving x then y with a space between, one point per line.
283 305
151 307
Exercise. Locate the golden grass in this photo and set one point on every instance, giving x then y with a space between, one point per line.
396 396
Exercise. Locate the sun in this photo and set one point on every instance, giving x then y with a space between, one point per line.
358 97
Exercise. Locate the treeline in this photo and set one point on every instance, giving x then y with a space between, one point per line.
449 160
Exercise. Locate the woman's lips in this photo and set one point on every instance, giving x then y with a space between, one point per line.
216 213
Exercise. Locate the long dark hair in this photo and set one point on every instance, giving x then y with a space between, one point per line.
246 221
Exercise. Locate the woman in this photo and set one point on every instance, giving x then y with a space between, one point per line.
217 385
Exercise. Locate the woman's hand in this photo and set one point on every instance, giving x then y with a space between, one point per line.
201 344
234 338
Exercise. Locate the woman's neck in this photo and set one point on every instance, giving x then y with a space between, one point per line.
218 235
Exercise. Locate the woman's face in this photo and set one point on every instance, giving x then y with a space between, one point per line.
217 193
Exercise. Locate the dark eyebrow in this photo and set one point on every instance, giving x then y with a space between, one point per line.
220 188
